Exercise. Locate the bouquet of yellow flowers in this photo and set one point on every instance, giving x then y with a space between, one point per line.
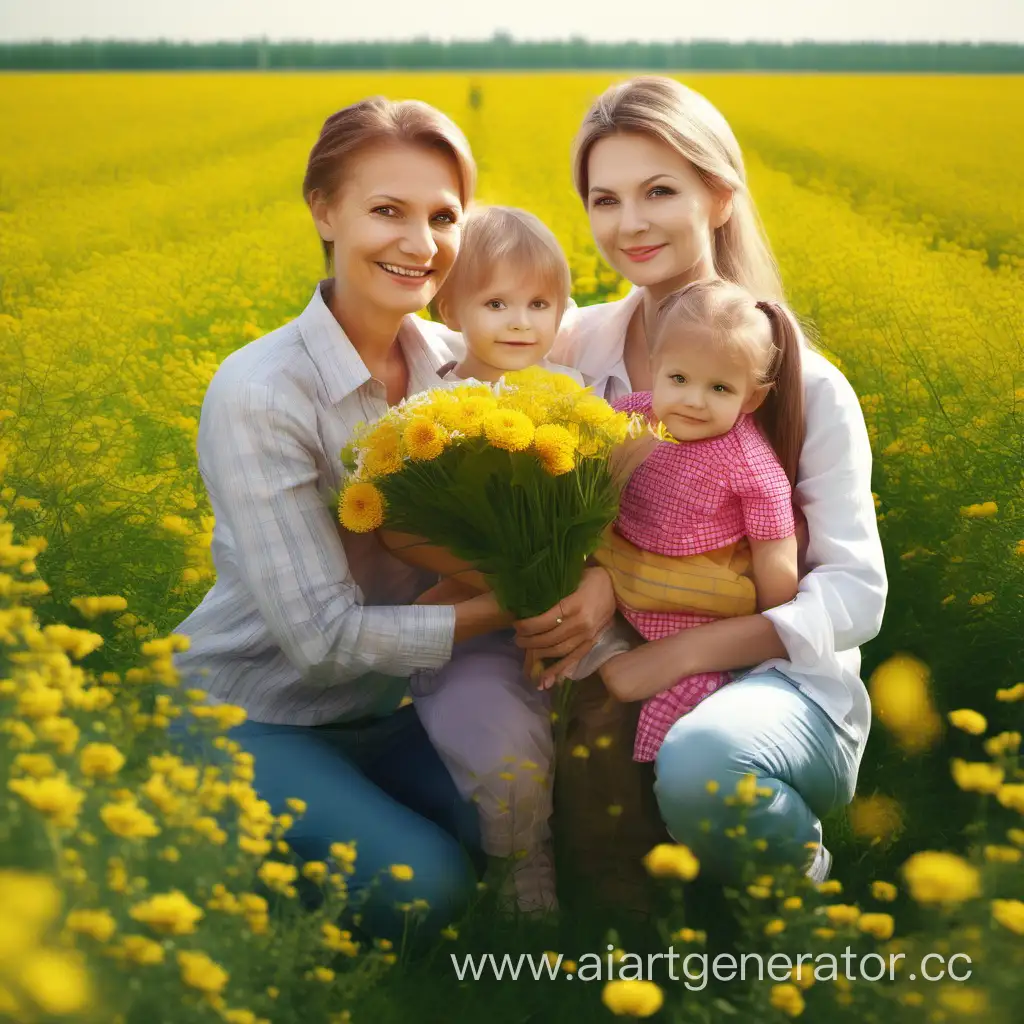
510 480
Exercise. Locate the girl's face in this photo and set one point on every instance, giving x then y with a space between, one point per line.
652 215
509 324
700 388
395 225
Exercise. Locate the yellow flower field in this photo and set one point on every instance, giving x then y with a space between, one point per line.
151 224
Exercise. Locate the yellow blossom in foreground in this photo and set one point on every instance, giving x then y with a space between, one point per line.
875 817
842 913
968 720
171 913
100 760
1012 796
787 998
1011 693
140 950
56 981
672 860
1004 744
941 878
91 607
1002 854
900 695
632 998
224 716
976 776
199 971
886 892
508 429
54 798
401 872
1010 914
984 510
97 924
361 508
424 439
128 820
881 926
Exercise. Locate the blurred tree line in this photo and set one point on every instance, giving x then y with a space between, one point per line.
504 52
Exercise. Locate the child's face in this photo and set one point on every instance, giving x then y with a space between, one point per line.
700 390
508 325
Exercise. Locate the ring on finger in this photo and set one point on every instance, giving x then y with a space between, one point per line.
561 613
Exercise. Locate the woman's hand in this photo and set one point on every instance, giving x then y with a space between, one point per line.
567 631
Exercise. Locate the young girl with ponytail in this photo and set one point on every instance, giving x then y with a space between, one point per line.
720 360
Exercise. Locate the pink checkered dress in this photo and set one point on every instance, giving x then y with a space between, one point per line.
688 499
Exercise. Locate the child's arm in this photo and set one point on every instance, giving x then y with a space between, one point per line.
774 566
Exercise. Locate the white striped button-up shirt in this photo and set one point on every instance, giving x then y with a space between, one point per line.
306 623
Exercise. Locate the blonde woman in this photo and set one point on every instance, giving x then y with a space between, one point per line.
662 178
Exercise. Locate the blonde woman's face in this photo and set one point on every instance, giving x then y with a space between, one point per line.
652 215
395 225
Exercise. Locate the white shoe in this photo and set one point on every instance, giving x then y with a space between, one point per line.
528 884
617 638
821 866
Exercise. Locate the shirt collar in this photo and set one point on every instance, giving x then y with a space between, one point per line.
603 347
339 364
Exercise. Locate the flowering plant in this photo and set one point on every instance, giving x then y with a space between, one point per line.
512 479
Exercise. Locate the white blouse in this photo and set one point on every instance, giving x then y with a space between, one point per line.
841 598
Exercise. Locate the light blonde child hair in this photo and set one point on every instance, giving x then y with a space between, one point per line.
764 333
378 121
684 120
499 237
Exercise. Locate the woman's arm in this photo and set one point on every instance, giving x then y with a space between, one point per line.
840 601
256 453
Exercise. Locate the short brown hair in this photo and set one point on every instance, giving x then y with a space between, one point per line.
495 236
374 121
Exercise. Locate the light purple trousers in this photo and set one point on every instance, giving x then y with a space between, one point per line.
492 728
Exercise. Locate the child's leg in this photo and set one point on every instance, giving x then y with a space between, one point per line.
493 731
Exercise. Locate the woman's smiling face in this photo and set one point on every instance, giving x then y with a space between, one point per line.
652 215
395 224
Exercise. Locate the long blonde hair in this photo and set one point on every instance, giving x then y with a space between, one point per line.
684 120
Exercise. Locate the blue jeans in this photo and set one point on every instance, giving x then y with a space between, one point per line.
380 783
761 725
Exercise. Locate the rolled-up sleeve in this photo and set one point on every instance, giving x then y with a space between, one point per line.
257 448
842 598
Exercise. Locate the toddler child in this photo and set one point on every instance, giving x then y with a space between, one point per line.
717 357
506 293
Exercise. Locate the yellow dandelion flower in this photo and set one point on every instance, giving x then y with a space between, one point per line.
1010 914
100 760
672 860
1011 693
56 981
169 913
787 998
97 924
424 438
401 872
963 999
1002 854
632 998
140 950
200 972
508 429
885 892
984 510
900 694
875 817
968 720
775 927
1004 744
128 820
941 878
976 776
54 798
881 926
361 508
840 914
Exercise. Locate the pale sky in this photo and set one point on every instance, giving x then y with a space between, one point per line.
606 20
